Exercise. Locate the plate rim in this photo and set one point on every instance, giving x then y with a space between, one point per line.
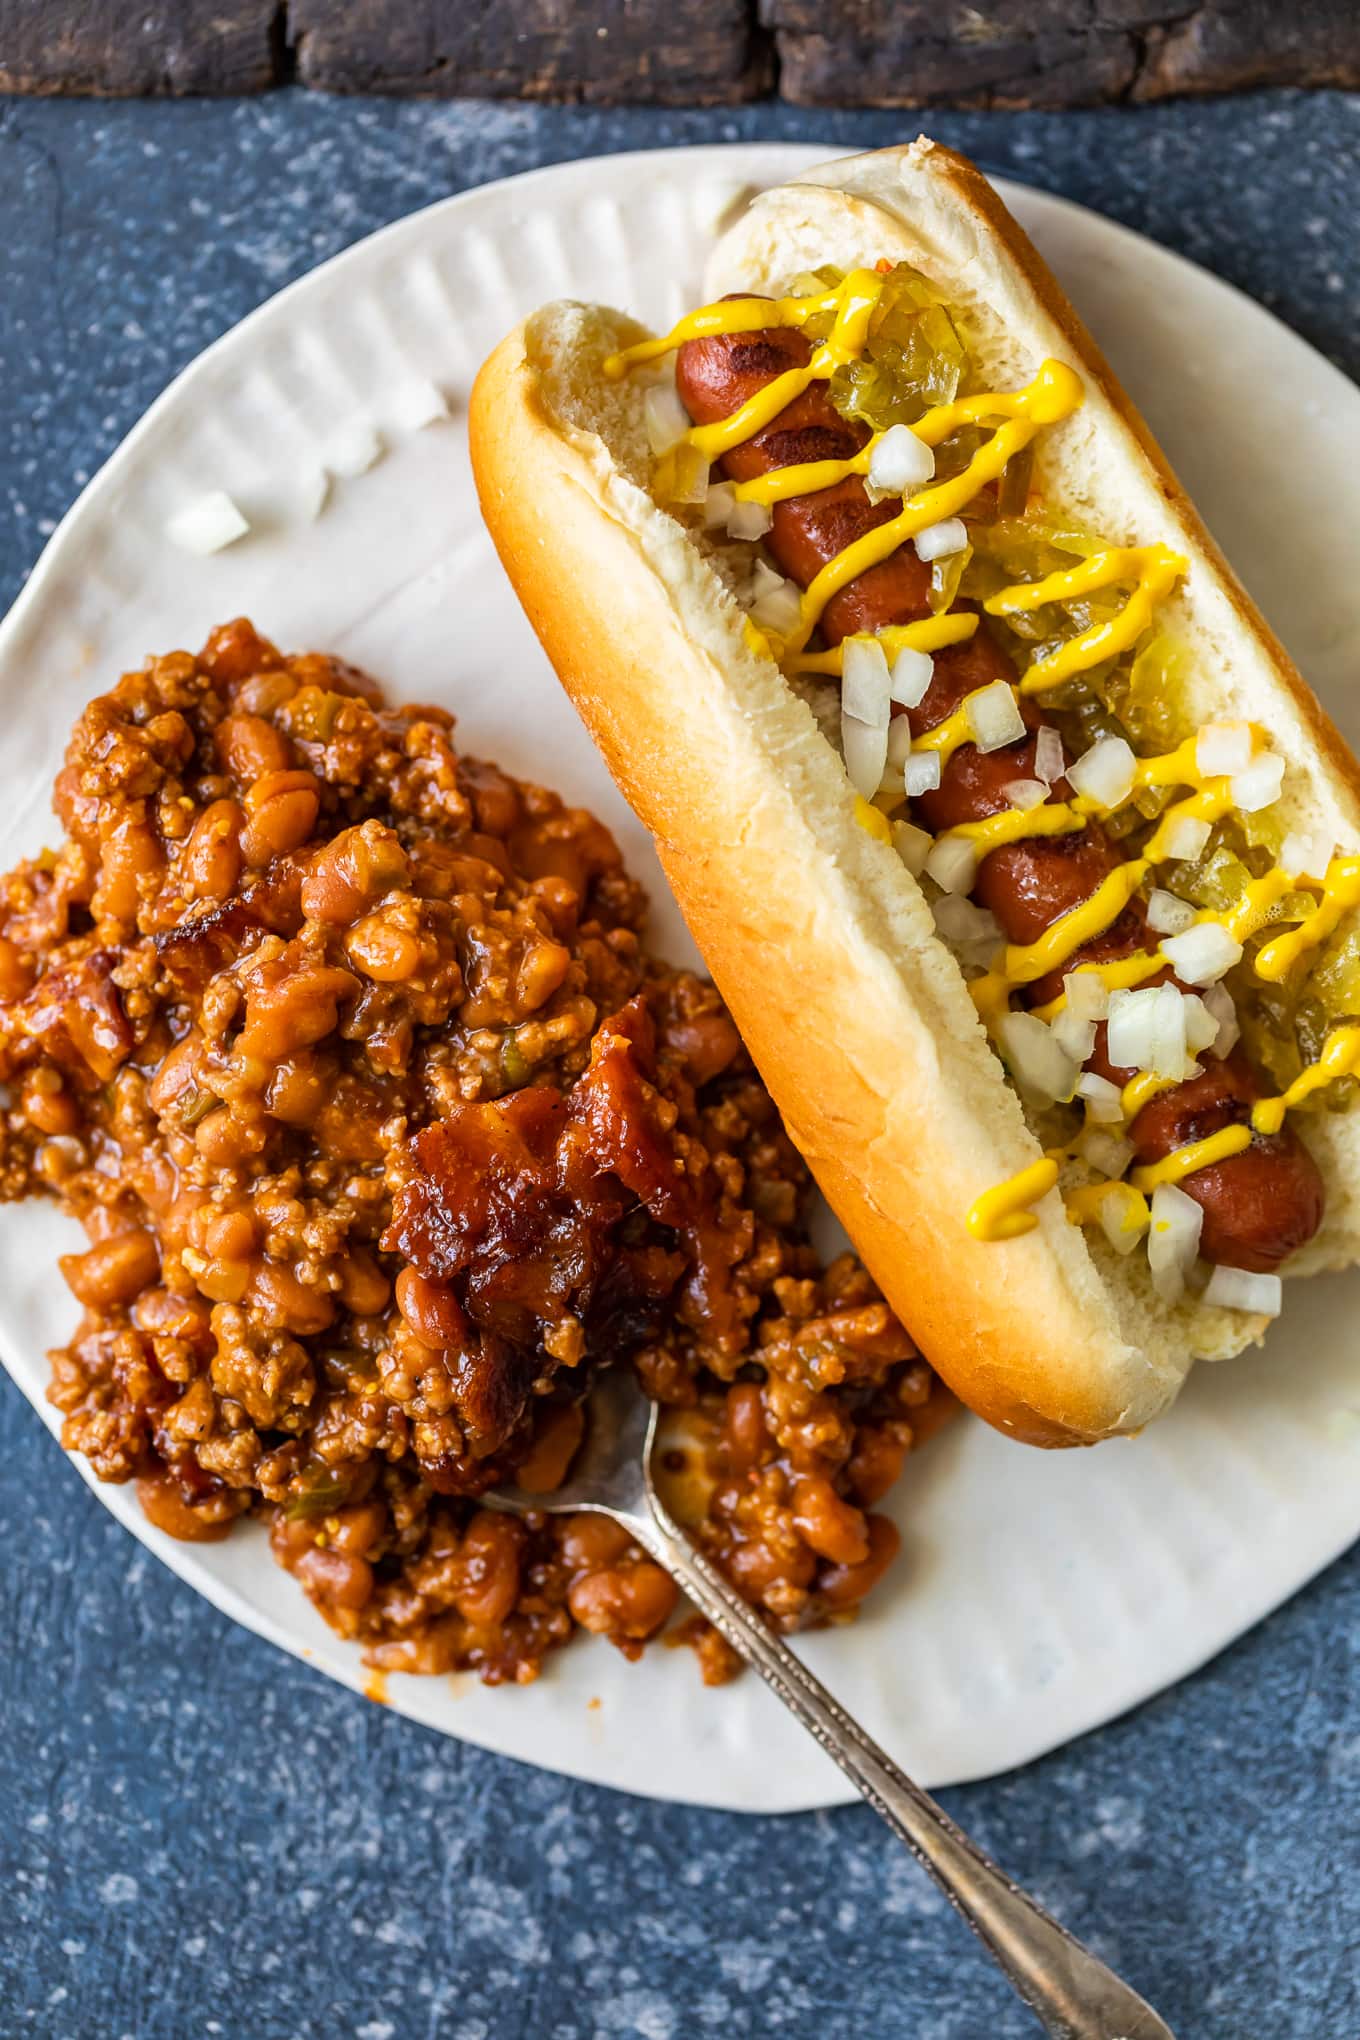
785 159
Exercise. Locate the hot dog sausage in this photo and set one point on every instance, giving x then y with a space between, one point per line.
1260 1205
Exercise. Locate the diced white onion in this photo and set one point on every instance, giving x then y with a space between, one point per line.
1107 1153
920 773
414 405
1203 953
1088 995
1240 1289
994 716
1105 774
1173 1239
719 503
1218 1002
1123 1217
1186 837
1259 786
1222 748
1037 1062
900 461
1025 793
1130 1029
899 742
666 419
1076 1036
1170 1046
1306 856
777 605
865 682
938 541
207 524
958 920
912 846
1104 1100
314 485
353 449
748 520
1147 1031
952 864
1168 915
1049 761
1201 1028
866 751
912 673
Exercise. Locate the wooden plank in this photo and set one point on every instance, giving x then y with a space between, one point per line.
1045 53
125 48
1239 43
665 52
1050 53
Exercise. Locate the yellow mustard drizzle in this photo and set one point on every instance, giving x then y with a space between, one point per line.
1196 1154
1120 974
1340 1057
1013 825
1154 571
1003 1212
1340 890
1140 1091
872 820
930 634
1053 395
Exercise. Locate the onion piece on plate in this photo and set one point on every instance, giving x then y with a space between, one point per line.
207 524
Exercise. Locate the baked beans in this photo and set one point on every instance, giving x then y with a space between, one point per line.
385 1132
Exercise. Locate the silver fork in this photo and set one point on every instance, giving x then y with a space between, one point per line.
1074 1995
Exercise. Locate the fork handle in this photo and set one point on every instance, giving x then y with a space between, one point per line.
1074 1995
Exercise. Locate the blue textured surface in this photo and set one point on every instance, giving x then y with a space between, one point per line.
197 1835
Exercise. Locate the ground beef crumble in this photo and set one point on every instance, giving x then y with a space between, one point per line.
386 1133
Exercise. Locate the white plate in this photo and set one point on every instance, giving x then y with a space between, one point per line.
1038 1595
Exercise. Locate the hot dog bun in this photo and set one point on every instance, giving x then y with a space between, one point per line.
821 942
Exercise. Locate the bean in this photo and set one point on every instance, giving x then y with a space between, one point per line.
544 1466
114 1271
335 1578
834 1528
131 861
364 1288
177 1073
877 1461
47 1104
164 1505
236 650
281 810
743 1437
353 872
287 1303
488 1569
295 1012
17 973
249 747
383 951
844 1586
211 860
588 1543
631 1601
542 968
431 1310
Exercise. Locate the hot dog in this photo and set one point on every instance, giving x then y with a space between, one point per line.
1052 1035
1259 1206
